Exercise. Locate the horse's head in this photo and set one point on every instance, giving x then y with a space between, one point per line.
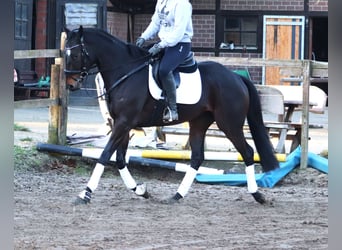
76 59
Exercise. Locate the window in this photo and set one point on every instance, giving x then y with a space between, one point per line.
21 21
240 31
77 14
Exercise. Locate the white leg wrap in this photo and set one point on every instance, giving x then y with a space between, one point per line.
95 177
127 178
187 181
252 186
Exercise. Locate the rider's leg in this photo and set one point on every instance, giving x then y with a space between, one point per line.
173 56
170 114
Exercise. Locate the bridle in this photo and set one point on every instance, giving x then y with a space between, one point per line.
83 72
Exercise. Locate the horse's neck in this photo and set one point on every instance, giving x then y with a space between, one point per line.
115 58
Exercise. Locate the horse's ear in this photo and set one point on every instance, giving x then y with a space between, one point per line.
80 31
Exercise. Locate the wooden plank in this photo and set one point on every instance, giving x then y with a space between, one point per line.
290 71
250 62
319 73
305 115
319 69
54 109
64 98
38 53
35 103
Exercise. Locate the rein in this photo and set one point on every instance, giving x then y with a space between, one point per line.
124 77
84 72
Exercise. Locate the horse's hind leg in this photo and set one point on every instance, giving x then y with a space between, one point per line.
198 128
247 153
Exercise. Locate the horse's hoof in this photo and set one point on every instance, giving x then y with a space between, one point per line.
259 197
141 190
146 195
173 200
170 201
83 198
80 201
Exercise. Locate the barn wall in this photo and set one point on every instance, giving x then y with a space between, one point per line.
117 24
204 23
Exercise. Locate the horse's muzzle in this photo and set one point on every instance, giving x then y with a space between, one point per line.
73 83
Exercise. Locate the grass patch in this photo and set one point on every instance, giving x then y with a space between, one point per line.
30 159
18 127
25 158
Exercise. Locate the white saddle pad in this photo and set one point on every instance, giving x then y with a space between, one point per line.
188 92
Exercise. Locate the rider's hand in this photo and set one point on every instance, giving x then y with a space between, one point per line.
155 49
140 42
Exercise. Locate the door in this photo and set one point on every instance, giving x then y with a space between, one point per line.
319 38
23 31
283 39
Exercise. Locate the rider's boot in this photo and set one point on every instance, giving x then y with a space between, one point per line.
170 113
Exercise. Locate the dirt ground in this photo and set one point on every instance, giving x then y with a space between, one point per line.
210 216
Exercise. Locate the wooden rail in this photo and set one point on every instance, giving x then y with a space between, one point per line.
29 54
58 100
39 53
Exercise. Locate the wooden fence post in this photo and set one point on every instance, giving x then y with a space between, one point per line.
63 97
305 115
54 109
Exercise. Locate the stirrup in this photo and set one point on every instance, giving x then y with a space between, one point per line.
169 115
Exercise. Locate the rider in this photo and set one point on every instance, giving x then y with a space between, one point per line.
173 24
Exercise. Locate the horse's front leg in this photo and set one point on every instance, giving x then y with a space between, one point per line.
121 163
84 196
117 141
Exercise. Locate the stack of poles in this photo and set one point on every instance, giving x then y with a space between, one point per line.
151 158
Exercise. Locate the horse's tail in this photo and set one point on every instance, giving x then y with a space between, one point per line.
259 133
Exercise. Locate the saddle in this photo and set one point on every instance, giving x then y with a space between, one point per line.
189 65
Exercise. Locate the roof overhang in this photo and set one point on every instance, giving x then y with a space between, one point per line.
133 6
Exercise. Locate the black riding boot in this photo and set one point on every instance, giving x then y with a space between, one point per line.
170 113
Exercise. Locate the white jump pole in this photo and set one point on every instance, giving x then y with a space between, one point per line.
155 154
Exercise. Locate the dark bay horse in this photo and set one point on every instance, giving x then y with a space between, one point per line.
226 98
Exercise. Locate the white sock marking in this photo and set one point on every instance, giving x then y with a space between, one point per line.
187 181
127 178
252 186
95 177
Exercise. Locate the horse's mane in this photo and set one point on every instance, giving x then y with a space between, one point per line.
132 49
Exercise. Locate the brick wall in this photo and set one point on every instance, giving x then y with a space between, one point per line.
117 25
140 24
204 31
318 5
276 5
41 35
203 4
